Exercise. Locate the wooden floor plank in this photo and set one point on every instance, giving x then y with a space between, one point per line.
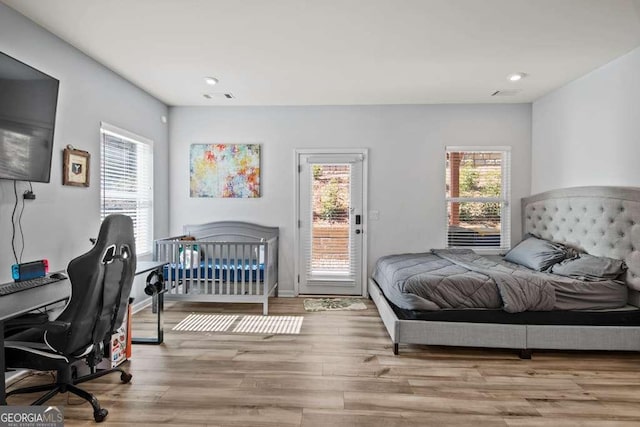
340 371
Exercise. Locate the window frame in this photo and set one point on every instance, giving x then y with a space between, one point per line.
504 199
114 131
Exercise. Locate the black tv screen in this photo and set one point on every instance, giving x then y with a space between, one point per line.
28 100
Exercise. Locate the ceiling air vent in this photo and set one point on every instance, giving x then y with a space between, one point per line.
506 92
219 95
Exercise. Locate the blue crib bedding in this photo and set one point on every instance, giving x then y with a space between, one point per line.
218 269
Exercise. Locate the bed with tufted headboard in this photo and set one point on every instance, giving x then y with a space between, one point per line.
600 221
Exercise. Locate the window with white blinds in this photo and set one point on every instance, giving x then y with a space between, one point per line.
126 176
478 197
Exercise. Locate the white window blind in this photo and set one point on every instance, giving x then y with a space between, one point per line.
478 197
329 248
126 175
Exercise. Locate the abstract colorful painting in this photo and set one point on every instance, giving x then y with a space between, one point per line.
225 170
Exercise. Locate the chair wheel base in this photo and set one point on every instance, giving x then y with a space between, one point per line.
125 378
100 415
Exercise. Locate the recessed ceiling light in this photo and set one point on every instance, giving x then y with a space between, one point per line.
516 76
211 80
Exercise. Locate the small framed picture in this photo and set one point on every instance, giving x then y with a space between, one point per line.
75 167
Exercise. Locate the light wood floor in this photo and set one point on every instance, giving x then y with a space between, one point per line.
340 371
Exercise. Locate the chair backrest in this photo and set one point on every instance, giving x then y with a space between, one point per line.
101 281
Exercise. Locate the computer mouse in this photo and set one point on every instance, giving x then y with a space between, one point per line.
59 276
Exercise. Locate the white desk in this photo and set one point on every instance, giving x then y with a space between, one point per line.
22 302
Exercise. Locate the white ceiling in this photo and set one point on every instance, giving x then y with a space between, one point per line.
330 52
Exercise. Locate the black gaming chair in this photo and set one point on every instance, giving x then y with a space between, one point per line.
101 282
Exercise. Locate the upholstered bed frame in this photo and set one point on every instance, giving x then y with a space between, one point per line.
603 221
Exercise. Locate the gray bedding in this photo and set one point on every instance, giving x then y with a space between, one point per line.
455 279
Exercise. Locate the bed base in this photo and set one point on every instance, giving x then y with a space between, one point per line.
227 261
523 338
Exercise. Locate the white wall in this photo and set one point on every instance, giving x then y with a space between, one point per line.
406 164
588 132
58 224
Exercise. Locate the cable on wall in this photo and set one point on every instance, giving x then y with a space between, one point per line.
13 221
17 231
20 228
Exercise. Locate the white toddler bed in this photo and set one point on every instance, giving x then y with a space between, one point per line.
226 261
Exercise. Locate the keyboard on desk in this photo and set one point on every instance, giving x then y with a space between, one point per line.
11 288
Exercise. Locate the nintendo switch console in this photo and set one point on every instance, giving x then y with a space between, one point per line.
29 270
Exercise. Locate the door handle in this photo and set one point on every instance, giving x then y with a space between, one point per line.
358 231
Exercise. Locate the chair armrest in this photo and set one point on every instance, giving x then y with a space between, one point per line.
26 321
54 326
39 321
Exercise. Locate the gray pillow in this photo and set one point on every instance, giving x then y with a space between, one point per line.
590 268
536 254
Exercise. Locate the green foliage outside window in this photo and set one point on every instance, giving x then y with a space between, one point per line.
317 171
473 184
332 204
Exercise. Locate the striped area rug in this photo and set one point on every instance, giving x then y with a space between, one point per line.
277 325
269 325
206 323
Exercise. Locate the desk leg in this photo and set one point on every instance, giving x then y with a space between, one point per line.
154 304
160 324
3 395
160 319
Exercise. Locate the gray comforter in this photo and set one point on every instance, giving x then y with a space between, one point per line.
454 279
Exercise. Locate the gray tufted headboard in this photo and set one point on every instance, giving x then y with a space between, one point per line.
602 221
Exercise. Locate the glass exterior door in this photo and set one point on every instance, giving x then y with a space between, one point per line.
331 224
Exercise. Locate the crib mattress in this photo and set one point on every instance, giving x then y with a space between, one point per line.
218 269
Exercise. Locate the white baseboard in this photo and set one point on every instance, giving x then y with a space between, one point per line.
289 293
141 305
14 376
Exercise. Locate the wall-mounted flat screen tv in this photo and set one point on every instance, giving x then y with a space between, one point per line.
28 100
